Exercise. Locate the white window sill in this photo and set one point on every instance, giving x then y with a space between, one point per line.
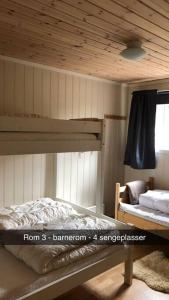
162 151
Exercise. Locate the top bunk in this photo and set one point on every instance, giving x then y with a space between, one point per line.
33 135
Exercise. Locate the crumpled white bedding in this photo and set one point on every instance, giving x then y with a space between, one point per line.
155 199
45 258
41 211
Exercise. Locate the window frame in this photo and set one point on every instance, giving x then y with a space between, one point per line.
162 98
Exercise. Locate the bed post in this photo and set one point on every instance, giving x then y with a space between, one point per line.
151 183
54 175
128 265
100 173
117 195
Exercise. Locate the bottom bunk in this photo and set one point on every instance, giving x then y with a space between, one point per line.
145 211
17 281
18 278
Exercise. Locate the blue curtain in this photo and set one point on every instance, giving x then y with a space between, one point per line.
140 148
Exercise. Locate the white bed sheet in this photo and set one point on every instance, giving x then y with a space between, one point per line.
16 279
146 213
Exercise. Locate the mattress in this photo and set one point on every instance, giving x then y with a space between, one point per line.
146 213
17 280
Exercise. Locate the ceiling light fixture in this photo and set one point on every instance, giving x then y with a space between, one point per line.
134 51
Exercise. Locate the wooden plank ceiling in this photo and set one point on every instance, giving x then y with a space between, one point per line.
87 36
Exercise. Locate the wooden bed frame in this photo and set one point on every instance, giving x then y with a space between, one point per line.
20 135
129 218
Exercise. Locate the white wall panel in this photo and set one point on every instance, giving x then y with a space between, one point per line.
28 88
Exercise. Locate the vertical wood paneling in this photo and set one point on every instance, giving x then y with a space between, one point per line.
62 97
76 97
29 108
87 169
100 100
74 163
68 156
9 81
1 86
29 95
28 178
86 180
38 91
38 160
29 89
19 178
54 95
19 98
43 178
79 189
61 115
2 183
94 100
80 156
69 97
88 98
8 180
20 92
46 85
82 98
49 173
36 175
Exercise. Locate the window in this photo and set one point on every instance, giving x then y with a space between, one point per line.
162 127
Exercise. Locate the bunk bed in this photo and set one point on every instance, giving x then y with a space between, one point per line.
137 215
19 135
22 135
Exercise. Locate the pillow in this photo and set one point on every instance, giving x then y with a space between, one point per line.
134 189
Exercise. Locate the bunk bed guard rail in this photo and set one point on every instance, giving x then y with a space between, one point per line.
21 135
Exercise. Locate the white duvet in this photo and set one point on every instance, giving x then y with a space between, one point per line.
31 213
45 258
155 199
55 215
